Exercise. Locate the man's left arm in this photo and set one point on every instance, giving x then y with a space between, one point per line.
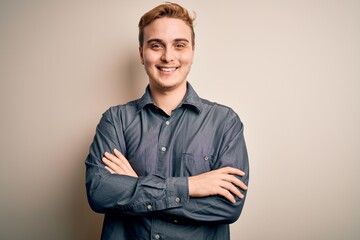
217 208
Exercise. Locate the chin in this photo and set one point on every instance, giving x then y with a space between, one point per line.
168 87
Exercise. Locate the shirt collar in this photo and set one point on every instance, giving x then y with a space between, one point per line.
191 99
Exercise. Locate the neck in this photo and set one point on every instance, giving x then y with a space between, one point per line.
168 100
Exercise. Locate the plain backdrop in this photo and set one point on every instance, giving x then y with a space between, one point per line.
290 69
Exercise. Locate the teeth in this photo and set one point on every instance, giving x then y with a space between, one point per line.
167 69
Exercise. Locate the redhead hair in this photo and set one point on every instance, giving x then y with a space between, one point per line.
168 9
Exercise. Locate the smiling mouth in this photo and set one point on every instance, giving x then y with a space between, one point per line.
167 69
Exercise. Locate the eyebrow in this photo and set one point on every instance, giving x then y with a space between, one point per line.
158 40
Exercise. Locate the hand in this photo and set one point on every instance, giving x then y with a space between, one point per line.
217 182
118 164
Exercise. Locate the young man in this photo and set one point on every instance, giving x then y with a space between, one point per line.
167 166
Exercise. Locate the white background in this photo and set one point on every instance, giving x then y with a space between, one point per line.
290 69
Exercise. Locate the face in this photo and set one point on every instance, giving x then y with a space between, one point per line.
167 53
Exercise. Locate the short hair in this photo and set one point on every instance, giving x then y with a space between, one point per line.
167 9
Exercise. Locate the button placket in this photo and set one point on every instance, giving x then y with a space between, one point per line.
163 144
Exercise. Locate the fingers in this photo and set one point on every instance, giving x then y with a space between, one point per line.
231 170
118 164
112 163
235 181
228 175
231 190
229 184
223 192
110 170
124 160
222 182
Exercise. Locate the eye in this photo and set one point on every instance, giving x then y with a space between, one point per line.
180 45
156 46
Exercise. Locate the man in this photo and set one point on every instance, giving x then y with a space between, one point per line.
167 166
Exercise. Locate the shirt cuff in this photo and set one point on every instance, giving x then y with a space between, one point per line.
177 191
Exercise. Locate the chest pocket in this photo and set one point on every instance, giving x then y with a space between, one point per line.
195 164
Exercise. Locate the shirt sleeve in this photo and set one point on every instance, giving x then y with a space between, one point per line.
108 192
216 209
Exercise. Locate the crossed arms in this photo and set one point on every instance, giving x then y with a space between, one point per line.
215 196
220 182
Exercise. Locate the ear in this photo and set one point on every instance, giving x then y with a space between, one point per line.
141 55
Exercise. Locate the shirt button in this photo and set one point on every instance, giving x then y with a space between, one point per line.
163 149
167 123
157 236
206 158
149 207
177 200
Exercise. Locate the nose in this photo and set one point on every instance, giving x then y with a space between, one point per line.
168 55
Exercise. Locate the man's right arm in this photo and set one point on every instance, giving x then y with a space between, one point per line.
109 192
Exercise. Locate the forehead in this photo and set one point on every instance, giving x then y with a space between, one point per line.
167 29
